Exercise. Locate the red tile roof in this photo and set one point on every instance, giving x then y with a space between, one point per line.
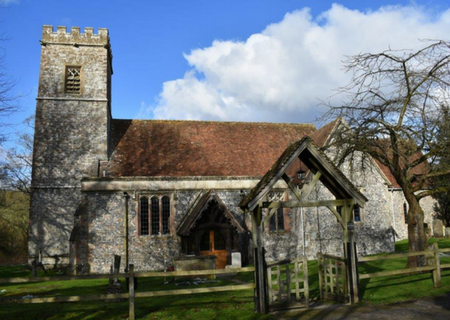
422 168
322 135
198 148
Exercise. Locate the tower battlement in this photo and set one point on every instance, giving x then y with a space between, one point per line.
75 37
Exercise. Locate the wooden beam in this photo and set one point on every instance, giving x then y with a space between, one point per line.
269 216
277 175
308 188
338 216
291 186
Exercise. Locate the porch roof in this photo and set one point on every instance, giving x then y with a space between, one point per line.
190 219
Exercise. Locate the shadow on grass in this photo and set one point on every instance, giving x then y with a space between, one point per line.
201 306
69 310
210 305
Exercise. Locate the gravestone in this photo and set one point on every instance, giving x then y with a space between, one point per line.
236 261
438 228
447 232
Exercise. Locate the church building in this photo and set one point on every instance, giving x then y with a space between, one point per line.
157 191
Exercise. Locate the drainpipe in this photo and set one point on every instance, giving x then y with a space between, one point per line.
303 230
125 229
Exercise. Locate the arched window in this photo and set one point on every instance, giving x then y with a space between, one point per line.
356 213
165 214
277 220
143 216
155 215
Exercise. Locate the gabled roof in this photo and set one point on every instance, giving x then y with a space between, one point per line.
191 217
421 169
322 136
198 148
309 154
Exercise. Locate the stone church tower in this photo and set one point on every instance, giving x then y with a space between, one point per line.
73 116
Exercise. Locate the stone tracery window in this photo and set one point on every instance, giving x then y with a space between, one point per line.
73 80
154 217
276 222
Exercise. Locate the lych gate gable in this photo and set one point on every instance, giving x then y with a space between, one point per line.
321 169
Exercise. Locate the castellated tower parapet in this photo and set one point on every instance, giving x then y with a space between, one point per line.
75 37
75 65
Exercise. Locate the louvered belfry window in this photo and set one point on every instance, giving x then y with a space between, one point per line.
73 80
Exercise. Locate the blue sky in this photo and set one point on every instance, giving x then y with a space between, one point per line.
246 60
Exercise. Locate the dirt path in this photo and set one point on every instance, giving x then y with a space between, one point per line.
436 308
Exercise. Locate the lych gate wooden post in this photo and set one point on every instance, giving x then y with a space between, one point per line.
351 255
261 299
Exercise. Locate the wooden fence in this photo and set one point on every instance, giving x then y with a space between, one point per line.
280 277
432 255
131 295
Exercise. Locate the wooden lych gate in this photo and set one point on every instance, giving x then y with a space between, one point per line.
287 282
333 282
346 196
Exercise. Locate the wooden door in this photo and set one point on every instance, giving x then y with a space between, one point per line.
213 243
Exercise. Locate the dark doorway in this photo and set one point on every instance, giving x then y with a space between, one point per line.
213 234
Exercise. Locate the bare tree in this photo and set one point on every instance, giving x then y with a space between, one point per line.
15 168
8 100
442 205
396 103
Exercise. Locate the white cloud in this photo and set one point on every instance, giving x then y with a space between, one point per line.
281 73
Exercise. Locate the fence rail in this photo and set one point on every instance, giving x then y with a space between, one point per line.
131 295
436 267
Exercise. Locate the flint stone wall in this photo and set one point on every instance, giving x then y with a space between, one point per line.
149 252
321 231
398 218
51 223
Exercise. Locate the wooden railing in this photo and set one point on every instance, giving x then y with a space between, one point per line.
131 295
436 267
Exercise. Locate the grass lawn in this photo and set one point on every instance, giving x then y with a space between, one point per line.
222 305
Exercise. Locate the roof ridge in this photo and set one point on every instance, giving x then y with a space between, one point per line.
220 122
